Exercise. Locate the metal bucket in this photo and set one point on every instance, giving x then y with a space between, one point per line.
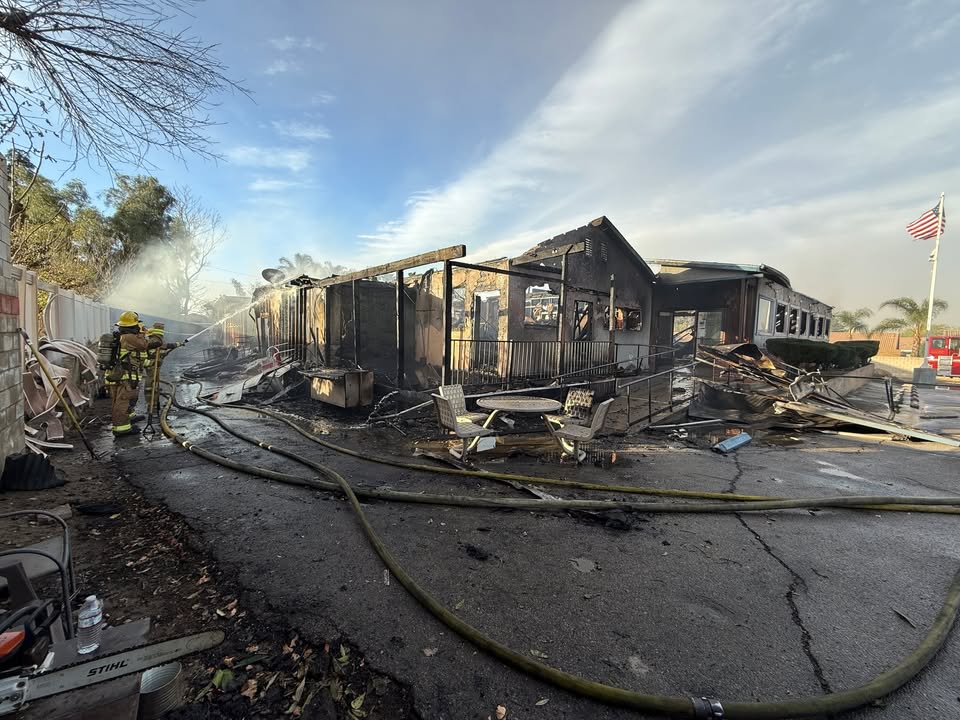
161 690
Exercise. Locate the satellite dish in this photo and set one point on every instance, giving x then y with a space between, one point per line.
272 275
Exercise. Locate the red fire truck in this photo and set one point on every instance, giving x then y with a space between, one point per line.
943 354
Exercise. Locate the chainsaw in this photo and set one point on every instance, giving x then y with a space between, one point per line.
37 681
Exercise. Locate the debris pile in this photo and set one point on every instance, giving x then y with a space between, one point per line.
73 367
232 371
759 391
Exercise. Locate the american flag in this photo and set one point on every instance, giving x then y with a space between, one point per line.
925 226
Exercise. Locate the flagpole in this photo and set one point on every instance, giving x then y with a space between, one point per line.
933 271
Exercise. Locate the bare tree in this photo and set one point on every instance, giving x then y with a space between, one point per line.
119 78
195 234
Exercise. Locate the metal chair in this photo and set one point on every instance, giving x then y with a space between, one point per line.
576 408
454 395
464 430
570 436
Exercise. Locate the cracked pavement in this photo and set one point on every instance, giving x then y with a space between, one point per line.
749 607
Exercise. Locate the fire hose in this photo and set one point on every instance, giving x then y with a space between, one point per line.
673 706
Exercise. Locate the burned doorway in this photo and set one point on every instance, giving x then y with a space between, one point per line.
486 330
583 320
710 327
684 332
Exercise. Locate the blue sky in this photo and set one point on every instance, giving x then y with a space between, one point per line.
797 133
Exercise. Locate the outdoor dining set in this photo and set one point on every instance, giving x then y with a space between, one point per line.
570 424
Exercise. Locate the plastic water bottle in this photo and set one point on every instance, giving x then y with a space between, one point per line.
89 625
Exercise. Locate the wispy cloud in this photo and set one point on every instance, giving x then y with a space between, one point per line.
830 60
269 185
294 160
322 98
848 248
301 130
645 72
279 66
935 30
288 43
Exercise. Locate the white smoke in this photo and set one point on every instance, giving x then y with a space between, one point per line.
148 284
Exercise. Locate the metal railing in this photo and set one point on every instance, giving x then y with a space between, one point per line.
650 395
506 362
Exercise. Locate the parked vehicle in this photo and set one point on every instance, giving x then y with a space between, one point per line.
943 354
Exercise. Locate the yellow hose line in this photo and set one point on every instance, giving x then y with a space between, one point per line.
574 484
672 706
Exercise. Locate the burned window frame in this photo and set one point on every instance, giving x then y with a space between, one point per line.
583 309
767 328
620 318
780 319
804 315
458 308
819 325
548 291
624 314
793 321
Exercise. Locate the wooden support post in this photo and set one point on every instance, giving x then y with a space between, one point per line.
401 344
326 326
613 321
447 320
302 321
742 334
562 313
356 329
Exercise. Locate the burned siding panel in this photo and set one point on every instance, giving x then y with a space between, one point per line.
588 274
747 296
789 298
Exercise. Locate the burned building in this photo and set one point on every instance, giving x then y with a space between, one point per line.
581 305
547 312
718 303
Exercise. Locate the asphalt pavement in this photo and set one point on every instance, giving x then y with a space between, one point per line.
750 607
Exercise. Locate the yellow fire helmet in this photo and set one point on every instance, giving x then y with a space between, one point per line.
128 318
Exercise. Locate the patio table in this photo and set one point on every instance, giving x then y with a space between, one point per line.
519 404
515 404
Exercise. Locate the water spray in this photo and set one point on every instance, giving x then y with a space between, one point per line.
222 320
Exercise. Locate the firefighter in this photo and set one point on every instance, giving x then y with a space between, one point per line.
123 378
157 350
141 357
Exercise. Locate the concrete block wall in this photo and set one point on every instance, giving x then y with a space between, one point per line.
11 353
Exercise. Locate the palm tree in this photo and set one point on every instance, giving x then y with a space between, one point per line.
913 318
852 321
304 264
300 264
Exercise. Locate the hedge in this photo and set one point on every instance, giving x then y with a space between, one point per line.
865 349
823 355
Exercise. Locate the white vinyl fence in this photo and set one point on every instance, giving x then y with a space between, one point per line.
67 315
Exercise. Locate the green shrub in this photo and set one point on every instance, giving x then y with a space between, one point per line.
865 349
821 355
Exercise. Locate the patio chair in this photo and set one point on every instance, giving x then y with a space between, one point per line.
576 408
465 430
458 403
570 436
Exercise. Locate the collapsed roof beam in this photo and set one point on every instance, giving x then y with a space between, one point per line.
550 253
429 258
